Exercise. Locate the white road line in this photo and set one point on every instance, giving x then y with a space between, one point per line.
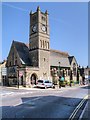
72 116
83 111
14 93
3 94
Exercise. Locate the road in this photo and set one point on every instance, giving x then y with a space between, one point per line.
42 103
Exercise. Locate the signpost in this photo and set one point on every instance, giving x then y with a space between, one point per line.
4 71
3 75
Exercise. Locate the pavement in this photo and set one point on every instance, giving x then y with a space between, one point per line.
34 88
4 90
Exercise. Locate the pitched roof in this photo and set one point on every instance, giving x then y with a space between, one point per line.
59 52
64 62
71 58
56 57
23 52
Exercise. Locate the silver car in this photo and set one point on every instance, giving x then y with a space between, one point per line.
44 84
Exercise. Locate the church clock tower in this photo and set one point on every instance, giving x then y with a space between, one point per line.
39 42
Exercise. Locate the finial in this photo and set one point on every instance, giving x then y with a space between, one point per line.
31 12
38 8
46 12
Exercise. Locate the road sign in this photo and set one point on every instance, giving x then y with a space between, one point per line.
4 71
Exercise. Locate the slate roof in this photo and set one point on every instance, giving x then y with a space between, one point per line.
56 57
70 59
59 52
23 52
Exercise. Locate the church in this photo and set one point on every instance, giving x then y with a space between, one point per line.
27 63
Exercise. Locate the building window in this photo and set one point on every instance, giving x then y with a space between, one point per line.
10 63
45 44
15 62
68 72
89 72
74 69
41 43
44 59
48 45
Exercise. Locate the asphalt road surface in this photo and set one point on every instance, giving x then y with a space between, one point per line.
41 103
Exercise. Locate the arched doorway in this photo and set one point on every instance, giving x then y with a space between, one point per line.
33 79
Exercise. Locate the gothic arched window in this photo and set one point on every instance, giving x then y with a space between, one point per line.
74 69
41 43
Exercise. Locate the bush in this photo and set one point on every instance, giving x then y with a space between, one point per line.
62 83
67 83
71 81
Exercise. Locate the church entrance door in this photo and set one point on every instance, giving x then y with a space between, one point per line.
33 79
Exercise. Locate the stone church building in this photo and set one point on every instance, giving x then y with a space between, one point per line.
27 63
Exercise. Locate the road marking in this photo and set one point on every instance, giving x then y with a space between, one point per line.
9 93
14 93
77 108
83 112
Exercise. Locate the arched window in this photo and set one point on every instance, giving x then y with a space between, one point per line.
10 63
41 43
74 69
47 45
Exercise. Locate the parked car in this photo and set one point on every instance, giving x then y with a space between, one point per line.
87 79
44 84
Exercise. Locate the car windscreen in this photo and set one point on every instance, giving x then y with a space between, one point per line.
47 82
40 81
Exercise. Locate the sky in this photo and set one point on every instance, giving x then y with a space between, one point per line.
68 26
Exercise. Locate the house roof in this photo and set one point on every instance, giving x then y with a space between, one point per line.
56 57
71 59
59 52
23 52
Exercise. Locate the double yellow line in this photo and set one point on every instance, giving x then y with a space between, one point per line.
77 108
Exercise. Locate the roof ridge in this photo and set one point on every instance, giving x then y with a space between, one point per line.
18 42
59 51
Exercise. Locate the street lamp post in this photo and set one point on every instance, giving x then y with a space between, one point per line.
71 77
59 68
18 77
59 75
78 73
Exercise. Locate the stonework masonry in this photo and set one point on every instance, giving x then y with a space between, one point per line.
28 63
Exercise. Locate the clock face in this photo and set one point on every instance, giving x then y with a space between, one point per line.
34 29
43 28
